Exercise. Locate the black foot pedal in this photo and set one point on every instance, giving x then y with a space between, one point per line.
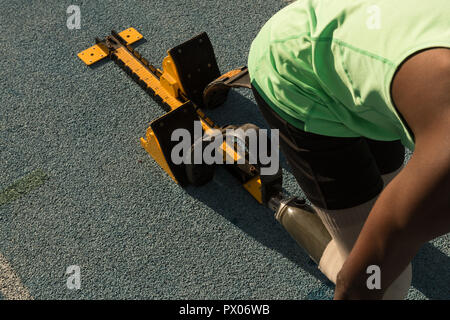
196 64
182 117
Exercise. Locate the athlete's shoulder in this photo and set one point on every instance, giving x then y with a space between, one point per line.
421 90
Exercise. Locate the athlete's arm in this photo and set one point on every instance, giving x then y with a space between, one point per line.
415 207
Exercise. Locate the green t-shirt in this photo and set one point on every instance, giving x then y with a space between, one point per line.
326 66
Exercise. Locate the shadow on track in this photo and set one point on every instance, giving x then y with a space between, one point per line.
228 198
431 272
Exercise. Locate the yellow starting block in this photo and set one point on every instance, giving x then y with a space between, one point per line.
189 80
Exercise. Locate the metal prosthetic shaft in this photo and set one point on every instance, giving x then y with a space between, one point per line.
302 224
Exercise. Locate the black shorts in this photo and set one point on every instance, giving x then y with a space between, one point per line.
334 172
